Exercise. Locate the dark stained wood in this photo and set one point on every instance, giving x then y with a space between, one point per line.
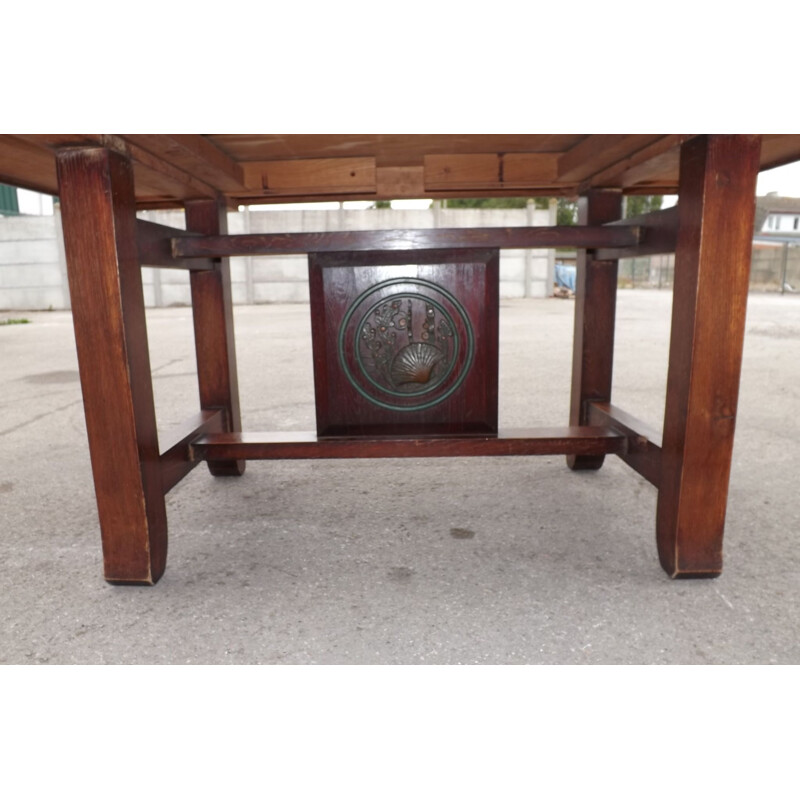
522 442
659 234
405 239
154 242
712 268
643 452
212 308
102 178
98 212
176 463
463 284
595 309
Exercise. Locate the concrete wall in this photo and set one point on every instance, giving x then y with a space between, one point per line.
32 271
33 276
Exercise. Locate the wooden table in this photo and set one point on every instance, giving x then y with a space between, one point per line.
444 312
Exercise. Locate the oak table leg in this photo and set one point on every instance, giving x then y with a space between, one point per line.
712 270
99 220
595 306
212 307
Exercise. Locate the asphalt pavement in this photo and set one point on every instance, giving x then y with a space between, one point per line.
441 561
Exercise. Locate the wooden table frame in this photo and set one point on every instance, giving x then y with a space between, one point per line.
710 232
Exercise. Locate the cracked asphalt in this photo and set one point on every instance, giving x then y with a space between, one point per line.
462 561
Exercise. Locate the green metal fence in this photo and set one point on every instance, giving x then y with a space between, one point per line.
8 200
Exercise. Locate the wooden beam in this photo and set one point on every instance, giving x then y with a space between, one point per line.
597 152
777 150
664 165
712 270
176 461
324 176
154 176
303 445
195 155
595 308
99 218
155 247
612 175
659 232
399 182
453 171
27 165
643 453
481 171
405 239
251 197
212 311
529 169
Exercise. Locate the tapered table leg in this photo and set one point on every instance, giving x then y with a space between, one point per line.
213 329
712 270
99 220
595 307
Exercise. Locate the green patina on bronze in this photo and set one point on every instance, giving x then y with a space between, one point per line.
394 305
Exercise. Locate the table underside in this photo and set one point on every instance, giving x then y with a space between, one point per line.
448 407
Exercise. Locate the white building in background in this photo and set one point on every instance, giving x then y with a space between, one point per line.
34 203
783 214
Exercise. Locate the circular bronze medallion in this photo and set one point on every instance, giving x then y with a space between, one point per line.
406 344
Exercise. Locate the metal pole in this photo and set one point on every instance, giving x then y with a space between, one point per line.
528 271
784 265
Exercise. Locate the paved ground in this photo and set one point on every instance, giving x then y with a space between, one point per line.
399 562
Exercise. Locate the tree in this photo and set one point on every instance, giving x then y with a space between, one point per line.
636 204
566 212
485 202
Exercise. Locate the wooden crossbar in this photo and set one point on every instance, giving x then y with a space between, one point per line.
306 445
252 244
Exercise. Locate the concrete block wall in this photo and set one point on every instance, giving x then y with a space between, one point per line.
32 270
33 275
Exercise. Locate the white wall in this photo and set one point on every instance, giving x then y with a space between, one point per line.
33 275
32 272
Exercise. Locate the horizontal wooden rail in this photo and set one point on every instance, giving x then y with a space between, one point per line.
176 460
658 234
522 442
643 453
154 242
253 244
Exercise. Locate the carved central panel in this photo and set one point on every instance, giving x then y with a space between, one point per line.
405 343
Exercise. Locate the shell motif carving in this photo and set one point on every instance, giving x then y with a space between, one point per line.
414 363
406 349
